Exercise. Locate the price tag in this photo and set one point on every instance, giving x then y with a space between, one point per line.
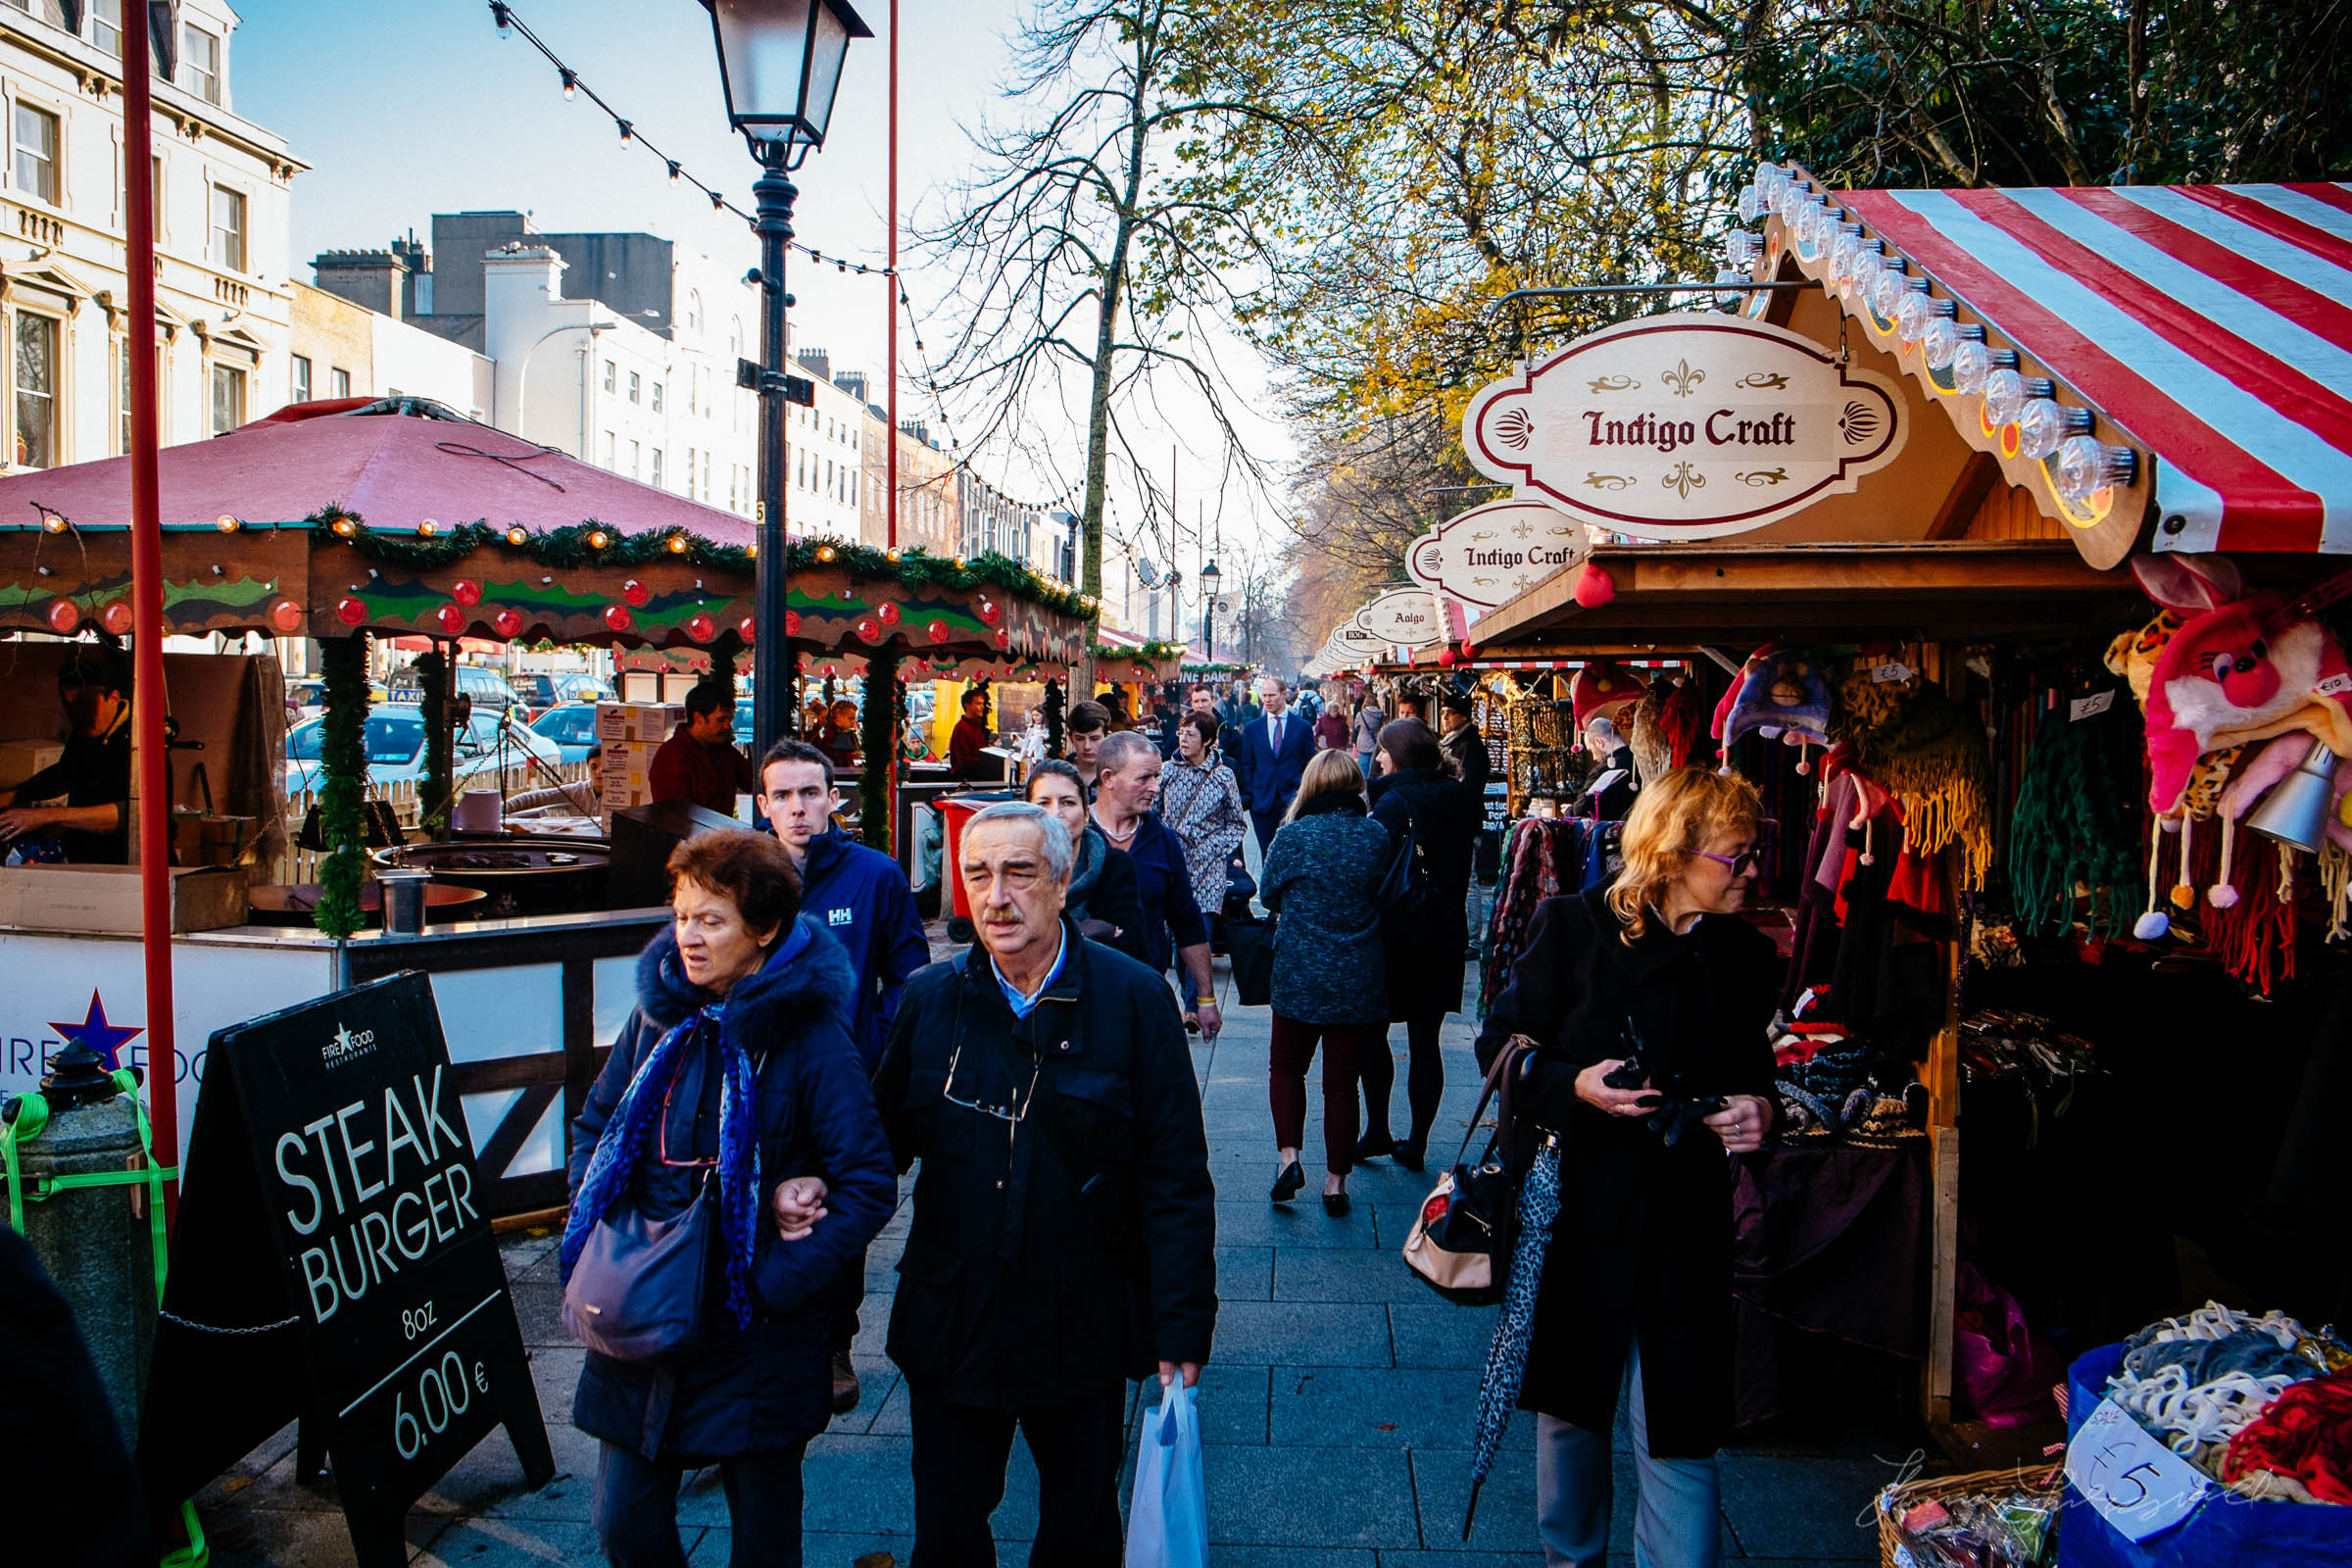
2138 1486
2334 686
1890 673
2083 707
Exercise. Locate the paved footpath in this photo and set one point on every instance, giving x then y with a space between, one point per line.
1337 1409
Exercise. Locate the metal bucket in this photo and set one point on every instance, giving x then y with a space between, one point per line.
404 901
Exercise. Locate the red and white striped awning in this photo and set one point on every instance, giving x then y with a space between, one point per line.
2211 322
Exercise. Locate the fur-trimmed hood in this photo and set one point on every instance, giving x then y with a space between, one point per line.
792 992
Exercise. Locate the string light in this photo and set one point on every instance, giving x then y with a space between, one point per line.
571 84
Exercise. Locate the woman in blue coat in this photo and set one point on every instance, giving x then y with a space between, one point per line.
742 1024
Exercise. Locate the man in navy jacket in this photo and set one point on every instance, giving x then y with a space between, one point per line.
861 896
1274 753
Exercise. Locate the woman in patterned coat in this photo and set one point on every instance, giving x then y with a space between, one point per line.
1200 801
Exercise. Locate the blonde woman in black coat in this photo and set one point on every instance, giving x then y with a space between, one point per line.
1637 1282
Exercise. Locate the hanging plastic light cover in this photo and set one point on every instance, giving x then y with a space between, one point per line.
2040 427
2004 397
1843 253
1751 204
1887 291
1730 298
1855 286
2087 466
1972 363
1912 312
1939 342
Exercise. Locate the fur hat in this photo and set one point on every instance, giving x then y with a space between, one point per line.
1603 690
1781 694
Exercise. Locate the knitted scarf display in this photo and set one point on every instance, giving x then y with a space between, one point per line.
1929 755
624 1138
2076 824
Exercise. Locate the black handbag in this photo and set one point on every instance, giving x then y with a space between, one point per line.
638 1289
1250 946
1460 1243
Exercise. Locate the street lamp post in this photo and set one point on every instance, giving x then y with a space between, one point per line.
523 376
1209 578
780 63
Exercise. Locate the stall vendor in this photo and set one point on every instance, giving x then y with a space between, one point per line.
94 774
699 762
970 738
1609 794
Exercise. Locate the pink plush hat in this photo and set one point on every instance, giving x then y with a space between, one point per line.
1601 690
2241 668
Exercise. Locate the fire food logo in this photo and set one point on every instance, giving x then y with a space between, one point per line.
345 1045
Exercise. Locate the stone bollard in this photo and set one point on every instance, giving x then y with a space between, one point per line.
96 1242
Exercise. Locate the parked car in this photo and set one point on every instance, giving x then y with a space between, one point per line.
307 693
573 727
393 743
541 692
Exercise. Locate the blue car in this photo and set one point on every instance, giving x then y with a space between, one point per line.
571 726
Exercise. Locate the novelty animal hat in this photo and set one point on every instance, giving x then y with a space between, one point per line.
1781 694
1603 690
2241 668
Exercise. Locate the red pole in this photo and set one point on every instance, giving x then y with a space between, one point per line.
891 309
147 602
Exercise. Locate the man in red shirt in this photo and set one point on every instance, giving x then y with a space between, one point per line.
969 736
700 761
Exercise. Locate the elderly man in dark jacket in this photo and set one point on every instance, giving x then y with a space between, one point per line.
1064 1227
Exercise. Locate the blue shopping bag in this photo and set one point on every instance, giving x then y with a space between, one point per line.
1167 1520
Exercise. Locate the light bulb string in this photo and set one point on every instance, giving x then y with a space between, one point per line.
503 14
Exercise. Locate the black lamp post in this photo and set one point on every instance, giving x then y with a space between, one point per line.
780 60
1209 578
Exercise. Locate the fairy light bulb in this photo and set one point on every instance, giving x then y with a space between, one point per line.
571 84
1855 286
1972 363
1939 342
1845 251
1913 312
1887 290
2085 467
2004 397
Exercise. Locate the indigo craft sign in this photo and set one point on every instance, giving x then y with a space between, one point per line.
1491 553
1685 427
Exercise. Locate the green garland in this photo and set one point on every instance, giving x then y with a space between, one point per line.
885 701
1149 653
343 758
1055 704
432 706
573 546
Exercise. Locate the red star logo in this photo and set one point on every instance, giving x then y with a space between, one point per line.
106 1039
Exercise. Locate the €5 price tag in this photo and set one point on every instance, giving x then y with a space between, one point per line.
2138 1486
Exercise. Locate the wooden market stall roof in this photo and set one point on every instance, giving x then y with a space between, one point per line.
2206 331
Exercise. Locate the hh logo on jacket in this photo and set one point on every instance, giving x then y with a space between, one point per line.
841 917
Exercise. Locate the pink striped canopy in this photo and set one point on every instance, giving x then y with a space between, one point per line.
2212 322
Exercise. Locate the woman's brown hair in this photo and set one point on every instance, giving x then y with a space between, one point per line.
751 869
1327 772
1205 725
1411 744
1673 818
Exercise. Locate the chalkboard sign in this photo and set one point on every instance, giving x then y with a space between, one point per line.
331 1263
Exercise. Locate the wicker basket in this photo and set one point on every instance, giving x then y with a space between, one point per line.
2047 1481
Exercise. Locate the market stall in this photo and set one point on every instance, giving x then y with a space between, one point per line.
1899 510
344 523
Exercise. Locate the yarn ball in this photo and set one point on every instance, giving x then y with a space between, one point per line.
2222 896
1595 587
2183 896
2151 925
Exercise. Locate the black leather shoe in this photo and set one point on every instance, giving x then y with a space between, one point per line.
1408 1155
1335 1205
1288 1182
1372 1145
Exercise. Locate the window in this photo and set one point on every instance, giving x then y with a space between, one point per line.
228 398
200 63
657 473
694 310
733 470
35 384
611 375
228 229
694 384
635 388
155 197
106 26
302 379
636 460
708 492
610 445
36 153
690 474
122 391
656 397
338 383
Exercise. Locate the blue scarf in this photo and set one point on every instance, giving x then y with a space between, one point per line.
623 1141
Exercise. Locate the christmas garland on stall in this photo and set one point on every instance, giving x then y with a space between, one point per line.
1147 654
885 701
343 758
592 543
432 706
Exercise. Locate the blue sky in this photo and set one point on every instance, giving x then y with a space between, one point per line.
408 108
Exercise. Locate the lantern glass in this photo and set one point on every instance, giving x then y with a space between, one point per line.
780 60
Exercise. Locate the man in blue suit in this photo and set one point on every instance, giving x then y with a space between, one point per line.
1274 750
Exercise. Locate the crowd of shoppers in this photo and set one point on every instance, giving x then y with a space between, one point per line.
794 1048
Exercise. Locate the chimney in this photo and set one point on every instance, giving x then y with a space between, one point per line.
375 279
916 429
416 288
817 363
853 383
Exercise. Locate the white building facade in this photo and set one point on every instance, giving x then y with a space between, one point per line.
223 300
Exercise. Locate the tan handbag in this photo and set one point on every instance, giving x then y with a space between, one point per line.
1456 1242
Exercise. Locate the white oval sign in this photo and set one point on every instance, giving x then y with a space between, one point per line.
1685 427
1493 552
1354 640
1401 617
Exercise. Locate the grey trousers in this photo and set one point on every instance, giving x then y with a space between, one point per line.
1677 1524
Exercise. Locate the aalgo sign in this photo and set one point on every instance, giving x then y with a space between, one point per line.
1404 617
1685 427
1497 552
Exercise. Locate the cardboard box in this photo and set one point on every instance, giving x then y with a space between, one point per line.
106 898
21 759
625 757
644 724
